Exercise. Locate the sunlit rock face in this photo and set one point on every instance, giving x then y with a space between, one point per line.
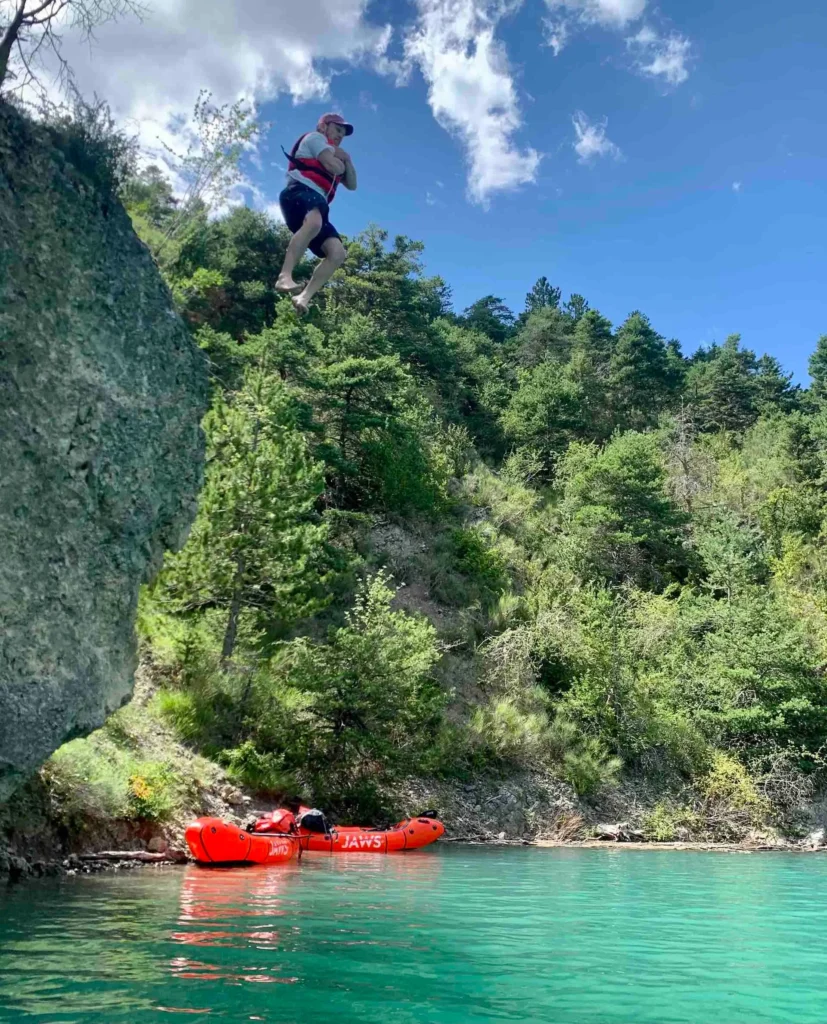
101 454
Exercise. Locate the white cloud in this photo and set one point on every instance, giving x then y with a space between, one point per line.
557 33
367 101
259 201
736 186
429 199
151 72
645 37
657 56
660 56
592 140
471 90
568 15
609 13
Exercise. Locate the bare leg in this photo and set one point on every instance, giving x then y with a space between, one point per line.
295 250
334 257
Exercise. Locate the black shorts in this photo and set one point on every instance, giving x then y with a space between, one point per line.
296 201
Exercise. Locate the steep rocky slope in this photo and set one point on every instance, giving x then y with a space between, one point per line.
101 396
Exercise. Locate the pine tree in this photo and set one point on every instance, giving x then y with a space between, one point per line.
591 354
545 334
576 307
774 388
818 368
491 316
375 435
541 295
373 698
616 510
257 545
386 284
642 378
545 411
723 389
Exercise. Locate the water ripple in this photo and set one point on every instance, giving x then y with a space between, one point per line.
449 936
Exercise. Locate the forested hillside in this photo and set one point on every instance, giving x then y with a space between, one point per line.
448 545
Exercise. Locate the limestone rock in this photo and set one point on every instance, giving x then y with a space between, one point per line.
622 832
815 839
101 395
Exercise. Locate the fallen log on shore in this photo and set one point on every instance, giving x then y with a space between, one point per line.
169 857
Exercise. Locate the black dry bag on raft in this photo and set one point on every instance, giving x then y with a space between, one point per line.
314 821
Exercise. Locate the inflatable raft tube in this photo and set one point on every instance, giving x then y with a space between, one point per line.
410 834
216 842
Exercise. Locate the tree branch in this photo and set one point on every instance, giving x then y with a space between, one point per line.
37 10
47 18
10 37
39 24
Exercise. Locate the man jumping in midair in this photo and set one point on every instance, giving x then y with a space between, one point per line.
316 166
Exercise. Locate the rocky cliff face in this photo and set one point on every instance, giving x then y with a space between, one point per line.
101 396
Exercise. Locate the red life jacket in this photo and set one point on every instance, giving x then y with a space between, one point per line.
281 820
313 170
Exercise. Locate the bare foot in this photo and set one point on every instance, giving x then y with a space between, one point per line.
300 304
287 284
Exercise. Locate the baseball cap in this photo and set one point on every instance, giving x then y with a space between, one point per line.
335 119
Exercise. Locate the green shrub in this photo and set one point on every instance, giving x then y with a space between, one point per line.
584 761
152 791
85 784
129 770
508 610
91 140
589 767
729 781
263 772
208 714
372 697
661 824
509 732
482 563
437 566
94 778
452 753
338 718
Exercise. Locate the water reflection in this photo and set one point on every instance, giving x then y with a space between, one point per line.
235 892
273 913
453 936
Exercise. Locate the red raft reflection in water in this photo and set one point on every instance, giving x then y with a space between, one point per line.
253 927
216 909
219 911
217 842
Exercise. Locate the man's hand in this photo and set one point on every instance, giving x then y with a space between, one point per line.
349 177
342 155
331 163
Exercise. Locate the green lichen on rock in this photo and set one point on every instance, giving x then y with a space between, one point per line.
101 395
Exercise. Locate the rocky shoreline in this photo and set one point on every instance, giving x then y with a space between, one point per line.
17 869
516 810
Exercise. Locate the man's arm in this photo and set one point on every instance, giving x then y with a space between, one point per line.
349 179
331 163
315 145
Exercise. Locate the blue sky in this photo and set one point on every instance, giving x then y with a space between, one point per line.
696 193
711 221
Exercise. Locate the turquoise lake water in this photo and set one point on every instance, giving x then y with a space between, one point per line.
448 935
